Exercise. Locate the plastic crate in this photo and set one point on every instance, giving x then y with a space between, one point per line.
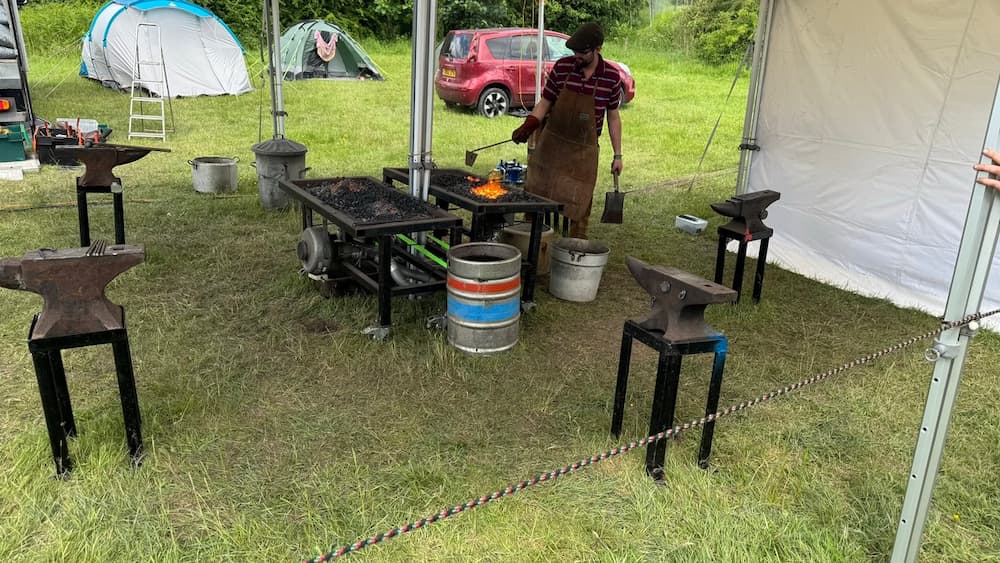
11 143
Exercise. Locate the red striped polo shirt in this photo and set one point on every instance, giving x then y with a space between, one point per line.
605 83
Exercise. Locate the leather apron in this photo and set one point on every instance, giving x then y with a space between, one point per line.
563 166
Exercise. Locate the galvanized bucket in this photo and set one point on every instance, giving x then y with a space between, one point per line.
484 297
577 266
214 174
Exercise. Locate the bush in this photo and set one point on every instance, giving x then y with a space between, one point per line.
716 31
57 27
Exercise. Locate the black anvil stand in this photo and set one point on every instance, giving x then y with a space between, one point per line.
725 234
665 394
117 202
46 353
99 160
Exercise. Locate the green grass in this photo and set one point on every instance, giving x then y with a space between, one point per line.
274 430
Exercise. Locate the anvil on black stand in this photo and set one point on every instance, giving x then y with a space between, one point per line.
674 327
748 212
98 178
76 313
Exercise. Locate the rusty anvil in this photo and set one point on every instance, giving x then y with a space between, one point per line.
747 210
101 158
72 282
679 300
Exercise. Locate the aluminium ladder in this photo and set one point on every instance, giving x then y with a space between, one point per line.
149 87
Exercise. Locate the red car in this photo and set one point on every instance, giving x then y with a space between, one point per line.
493 70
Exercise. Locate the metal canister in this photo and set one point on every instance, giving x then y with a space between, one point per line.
484 297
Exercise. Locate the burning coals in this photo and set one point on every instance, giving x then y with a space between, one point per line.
369 201
477 188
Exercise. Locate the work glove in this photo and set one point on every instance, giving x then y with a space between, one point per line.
521 134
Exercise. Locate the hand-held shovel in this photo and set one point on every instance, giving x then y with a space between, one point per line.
470 156
614 205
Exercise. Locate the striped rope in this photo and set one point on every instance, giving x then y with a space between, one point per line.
669 433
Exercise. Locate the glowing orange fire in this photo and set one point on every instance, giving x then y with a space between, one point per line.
490 190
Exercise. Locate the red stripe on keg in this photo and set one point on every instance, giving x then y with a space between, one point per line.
474 287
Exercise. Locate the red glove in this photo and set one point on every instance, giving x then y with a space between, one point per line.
521 134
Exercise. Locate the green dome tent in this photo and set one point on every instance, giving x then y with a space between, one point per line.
317 49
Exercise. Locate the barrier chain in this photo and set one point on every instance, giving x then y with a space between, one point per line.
669 433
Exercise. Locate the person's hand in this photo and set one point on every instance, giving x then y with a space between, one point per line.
521 134
993 169
617 166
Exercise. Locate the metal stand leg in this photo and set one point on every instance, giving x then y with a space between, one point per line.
62 392
50 408
758 279
384 281
83 217
741 261
129 398
720 258
714 389
119 212
664 402
624 362
531 271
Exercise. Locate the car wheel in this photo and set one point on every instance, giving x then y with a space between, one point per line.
493 102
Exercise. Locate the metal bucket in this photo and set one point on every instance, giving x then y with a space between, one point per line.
577 266
278 159
484 297
214 174
519 235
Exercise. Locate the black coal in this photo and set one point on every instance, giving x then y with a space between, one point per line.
461 185
369 201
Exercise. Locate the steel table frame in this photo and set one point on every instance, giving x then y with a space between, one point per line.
485 213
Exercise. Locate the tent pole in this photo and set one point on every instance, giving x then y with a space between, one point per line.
274 46
541 51
968 283
421 96
764 19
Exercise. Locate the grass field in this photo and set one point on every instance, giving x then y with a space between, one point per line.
275 431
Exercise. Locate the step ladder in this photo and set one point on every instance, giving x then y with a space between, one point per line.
150 90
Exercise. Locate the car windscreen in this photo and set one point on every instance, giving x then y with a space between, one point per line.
556 48
456 45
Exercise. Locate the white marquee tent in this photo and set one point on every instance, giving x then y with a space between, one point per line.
871 113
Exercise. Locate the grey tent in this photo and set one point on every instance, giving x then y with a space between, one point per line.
318 49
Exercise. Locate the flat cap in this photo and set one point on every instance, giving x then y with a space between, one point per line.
587 36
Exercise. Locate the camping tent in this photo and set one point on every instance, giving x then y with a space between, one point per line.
871 113
201 55
318 49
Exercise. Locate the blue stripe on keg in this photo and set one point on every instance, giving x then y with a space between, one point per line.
481 312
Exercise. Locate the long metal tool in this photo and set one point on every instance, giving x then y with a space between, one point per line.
968 284
470 156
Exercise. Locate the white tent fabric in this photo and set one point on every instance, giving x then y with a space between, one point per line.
871 115
200 54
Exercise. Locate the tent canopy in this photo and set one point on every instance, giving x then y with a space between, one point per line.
319 49
871 115
201 55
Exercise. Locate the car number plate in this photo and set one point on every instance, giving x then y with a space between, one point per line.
450 73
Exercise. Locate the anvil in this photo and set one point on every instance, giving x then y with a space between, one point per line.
101 158
747 210
72 283
679 299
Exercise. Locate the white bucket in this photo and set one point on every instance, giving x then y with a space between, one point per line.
214 174
577 266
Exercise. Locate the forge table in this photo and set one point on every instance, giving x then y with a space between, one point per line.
371 222
487 214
